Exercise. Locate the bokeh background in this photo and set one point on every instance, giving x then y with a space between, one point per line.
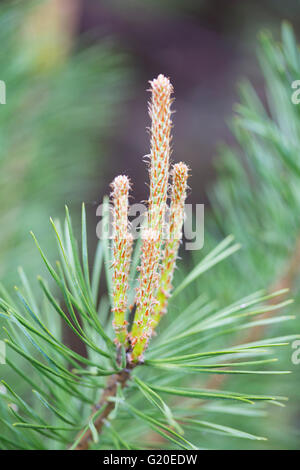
77 72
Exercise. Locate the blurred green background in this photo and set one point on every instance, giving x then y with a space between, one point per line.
76 72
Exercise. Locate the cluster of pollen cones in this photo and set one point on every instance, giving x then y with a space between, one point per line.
160 239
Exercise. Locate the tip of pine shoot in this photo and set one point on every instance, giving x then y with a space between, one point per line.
161 83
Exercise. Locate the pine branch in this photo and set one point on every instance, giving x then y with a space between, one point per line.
190 340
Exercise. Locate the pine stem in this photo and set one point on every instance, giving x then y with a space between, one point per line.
109 392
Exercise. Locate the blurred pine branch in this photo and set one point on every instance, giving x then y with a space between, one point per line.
257 198
62 101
